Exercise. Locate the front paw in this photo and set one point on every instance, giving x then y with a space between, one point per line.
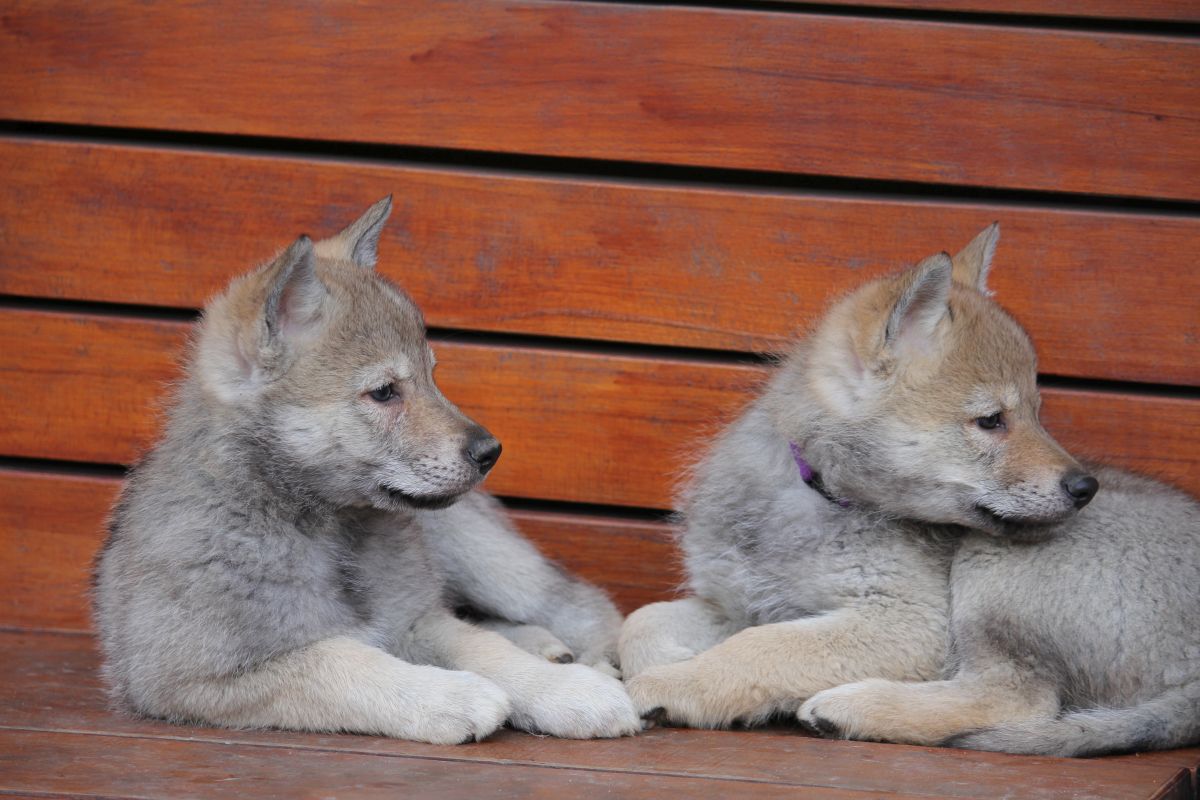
461 707
861 710
602 661
577 702
823 715
533 639
541 642
687 694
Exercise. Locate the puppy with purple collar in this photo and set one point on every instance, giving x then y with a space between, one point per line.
889 546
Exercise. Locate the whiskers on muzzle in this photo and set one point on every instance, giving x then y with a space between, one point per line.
1028 507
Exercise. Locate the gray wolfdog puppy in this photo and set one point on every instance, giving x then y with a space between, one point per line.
279 559
890 511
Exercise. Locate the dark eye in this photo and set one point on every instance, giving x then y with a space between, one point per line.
383 393
991 422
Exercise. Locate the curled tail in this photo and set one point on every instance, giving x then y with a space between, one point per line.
1169 720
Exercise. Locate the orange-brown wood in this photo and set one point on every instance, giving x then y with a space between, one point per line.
634 561
50 683
1106 294
1159 10
578 426
1186 757
697 267
52 524
818 94
1102 425
91 765
581 427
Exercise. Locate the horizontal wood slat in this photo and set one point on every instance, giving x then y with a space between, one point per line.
51 527
50 682
867 98
590 428
675 266
577 426
90 765
634 561
52 524
1150 10
865 117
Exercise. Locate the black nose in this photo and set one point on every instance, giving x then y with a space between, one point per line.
483 450
1081 486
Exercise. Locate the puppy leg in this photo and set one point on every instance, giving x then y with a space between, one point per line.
767 669
341 684
927 713
1172 719
567 700
665 633
530 638
500 574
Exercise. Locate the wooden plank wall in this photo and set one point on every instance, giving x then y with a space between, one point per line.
609 213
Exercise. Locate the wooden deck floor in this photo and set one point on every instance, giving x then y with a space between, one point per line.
59 739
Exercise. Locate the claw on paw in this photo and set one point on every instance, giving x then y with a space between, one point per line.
821 727
655 717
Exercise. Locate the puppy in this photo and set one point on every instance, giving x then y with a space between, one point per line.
889 512
290 552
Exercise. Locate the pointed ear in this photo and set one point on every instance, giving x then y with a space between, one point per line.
359 241
294 299
972 263
923 301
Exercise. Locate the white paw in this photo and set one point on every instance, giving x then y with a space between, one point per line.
602 661
553 650
535 640
604 666
457 708
685 694
573 701
832 713
636 660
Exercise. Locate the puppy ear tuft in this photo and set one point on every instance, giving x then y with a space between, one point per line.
973 262
358 242
923 301
294 299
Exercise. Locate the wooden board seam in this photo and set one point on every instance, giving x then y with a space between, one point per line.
615 173
501 762
1180 774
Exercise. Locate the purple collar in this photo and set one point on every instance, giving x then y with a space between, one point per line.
811 478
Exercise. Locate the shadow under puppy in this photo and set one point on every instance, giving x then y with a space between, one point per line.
289 553
891 511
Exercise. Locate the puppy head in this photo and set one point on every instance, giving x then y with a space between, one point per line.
931 390
331 362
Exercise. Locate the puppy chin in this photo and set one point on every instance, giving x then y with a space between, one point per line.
1015 528
399 500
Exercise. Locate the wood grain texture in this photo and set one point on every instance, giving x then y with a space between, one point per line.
577 426
817 94
1155 10
694 267
1188 758
1099 425
50 682
91 765
634 561
52 525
